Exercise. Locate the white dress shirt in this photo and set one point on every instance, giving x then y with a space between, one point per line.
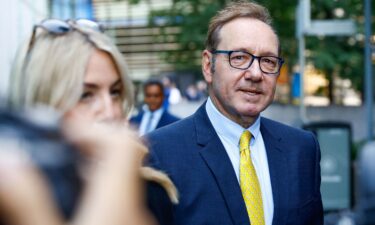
229 133
145 127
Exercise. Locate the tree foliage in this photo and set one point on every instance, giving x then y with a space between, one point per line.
192 17
342 56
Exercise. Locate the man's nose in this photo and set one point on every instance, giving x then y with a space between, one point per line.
254 72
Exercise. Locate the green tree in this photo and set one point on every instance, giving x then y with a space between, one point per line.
192 17
342 56
339 56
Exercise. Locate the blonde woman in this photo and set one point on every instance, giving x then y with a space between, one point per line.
73 68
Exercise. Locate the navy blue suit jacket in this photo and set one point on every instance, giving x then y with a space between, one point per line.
165 119
191 153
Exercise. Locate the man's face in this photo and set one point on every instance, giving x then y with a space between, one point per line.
241 94
154 97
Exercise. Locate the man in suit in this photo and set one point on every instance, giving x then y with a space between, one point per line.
153 115
231 165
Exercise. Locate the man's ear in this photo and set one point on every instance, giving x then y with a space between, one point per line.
207 69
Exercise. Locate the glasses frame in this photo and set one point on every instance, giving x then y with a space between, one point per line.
229 52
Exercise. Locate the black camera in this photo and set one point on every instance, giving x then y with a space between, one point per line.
44 142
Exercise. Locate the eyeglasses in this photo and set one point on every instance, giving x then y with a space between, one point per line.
243 60
61 27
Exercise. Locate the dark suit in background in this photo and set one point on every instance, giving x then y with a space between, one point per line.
165 119
153 115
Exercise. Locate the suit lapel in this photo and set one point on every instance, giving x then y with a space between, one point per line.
216 158
137 120
278 168
162 120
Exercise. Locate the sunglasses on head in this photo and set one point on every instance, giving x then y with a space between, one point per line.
61 27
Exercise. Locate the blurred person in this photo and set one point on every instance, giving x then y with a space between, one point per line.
166 81
192 93
112 189
174 94
202 88
73 68
171 92
196 92
230 164
153 115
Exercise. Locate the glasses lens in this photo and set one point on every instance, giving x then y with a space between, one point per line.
89 24
56 26
240 60
270 64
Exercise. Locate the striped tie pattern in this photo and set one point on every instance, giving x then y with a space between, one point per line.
249 182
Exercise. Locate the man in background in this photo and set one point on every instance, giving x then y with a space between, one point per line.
152 115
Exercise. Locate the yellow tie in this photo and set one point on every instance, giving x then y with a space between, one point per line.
249 182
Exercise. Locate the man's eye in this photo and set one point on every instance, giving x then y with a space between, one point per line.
238 57
269 61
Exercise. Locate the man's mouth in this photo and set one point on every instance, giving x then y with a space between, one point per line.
250 91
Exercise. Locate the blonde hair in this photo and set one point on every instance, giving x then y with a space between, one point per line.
52 72
234 10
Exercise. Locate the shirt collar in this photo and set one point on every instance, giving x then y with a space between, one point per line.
227 128
156 112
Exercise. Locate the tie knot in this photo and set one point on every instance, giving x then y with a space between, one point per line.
245 140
